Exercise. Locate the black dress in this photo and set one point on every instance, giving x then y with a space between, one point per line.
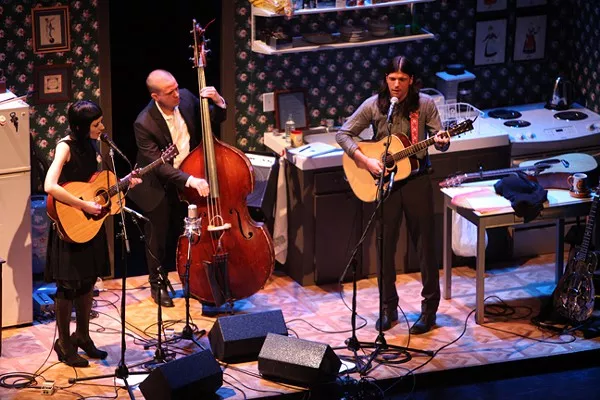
73 263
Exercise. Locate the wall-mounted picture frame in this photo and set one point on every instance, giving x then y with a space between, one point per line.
51 29
491 5
531 3
530 38
490 42
291 102
52 83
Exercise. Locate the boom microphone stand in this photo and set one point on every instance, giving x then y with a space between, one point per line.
122 371
380 343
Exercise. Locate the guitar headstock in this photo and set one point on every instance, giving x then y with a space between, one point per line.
452 181
465 126
200 42
169 153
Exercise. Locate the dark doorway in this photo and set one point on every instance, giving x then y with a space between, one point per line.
144 37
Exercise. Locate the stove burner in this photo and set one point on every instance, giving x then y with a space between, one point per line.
504 114
571 115
517 123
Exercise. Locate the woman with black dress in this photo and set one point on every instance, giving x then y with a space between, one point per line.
76 266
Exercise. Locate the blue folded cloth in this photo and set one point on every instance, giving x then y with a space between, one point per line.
526 197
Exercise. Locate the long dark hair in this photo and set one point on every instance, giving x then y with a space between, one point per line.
411 103
81 114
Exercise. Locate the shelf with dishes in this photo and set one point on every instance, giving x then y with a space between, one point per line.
319 42
261 12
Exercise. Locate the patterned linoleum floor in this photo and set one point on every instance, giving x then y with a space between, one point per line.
312 313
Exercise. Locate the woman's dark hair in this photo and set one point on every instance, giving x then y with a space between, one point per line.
411 103
81 114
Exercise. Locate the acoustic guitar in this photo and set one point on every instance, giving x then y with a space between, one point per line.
398 162
575 292
550 173
77 226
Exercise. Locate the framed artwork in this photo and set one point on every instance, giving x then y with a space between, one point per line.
530 38
291 102
491 5
51 31
52 83
530 3
490 42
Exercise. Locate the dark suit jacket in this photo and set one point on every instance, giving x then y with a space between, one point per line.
152 136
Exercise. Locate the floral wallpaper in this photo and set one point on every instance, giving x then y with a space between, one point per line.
337 81
48 122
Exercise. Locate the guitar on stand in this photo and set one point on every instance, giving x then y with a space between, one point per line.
77 226
398 160
575 292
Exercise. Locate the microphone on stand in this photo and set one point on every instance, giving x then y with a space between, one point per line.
136 214
192 224
391 184
393 102
104 137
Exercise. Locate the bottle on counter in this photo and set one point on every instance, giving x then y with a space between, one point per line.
290 125
297 138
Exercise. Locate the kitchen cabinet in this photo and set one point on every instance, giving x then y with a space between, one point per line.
300 45
324 225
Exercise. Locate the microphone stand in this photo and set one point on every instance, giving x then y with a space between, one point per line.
122 371
192 226
380 343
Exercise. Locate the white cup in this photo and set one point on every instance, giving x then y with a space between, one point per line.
577 182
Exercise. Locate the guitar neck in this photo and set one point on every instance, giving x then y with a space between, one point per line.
497 172
587 236
414 149
123 184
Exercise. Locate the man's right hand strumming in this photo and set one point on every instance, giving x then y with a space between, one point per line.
200 185
373 165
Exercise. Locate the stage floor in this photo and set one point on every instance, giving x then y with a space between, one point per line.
320 314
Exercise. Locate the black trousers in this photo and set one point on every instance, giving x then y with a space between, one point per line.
413 200
166 224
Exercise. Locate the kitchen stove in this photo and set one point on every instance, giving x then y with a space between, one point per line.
533 129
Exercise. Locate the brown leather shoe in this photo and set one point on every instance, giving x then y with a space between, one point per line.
424 324
165 299
388 320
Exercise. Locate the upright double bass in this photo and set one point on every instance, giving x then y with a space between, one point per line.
233 257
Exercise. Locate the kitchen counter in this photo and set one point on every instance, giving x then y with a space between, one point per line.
484 135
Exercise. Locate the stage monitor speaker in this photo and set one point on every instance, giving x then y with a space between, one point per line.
262 199
297 361
184 378
240 337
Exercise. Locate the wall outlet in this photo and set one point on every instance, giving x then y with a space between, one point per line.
268 102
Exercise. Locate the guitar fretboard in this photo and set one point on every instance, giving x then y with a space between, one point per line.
123 184
587 236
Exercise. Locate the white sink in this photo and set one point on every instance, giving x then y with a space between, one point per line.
328 138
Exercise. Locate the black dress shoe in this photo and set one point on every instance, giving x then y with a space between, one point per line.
68 354
165 299
423 324
89 347
389 319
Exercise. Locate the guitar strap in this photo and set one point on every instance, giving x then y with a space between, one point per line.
414 127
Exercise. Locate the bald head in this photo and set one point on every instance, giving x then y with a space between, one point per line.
158 79
163 89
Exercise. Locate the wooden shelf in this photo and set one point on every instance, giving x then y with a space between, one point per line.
260 12
300 45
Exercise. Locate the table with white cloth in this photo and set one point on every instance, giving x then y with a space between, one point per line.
560 205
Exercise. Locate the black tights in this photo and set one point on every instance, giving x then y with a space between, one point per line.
82 297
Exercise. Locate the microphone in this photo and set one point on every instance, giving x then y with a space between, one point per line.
192 223
136 214
391 184
393 102
104 137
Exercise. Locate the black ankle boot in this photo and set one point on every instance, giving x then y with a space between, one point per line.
89 347
68 354
424 324
165 300
389 319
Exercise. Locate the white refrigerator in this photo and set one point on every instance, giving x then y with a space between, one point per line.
15 214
